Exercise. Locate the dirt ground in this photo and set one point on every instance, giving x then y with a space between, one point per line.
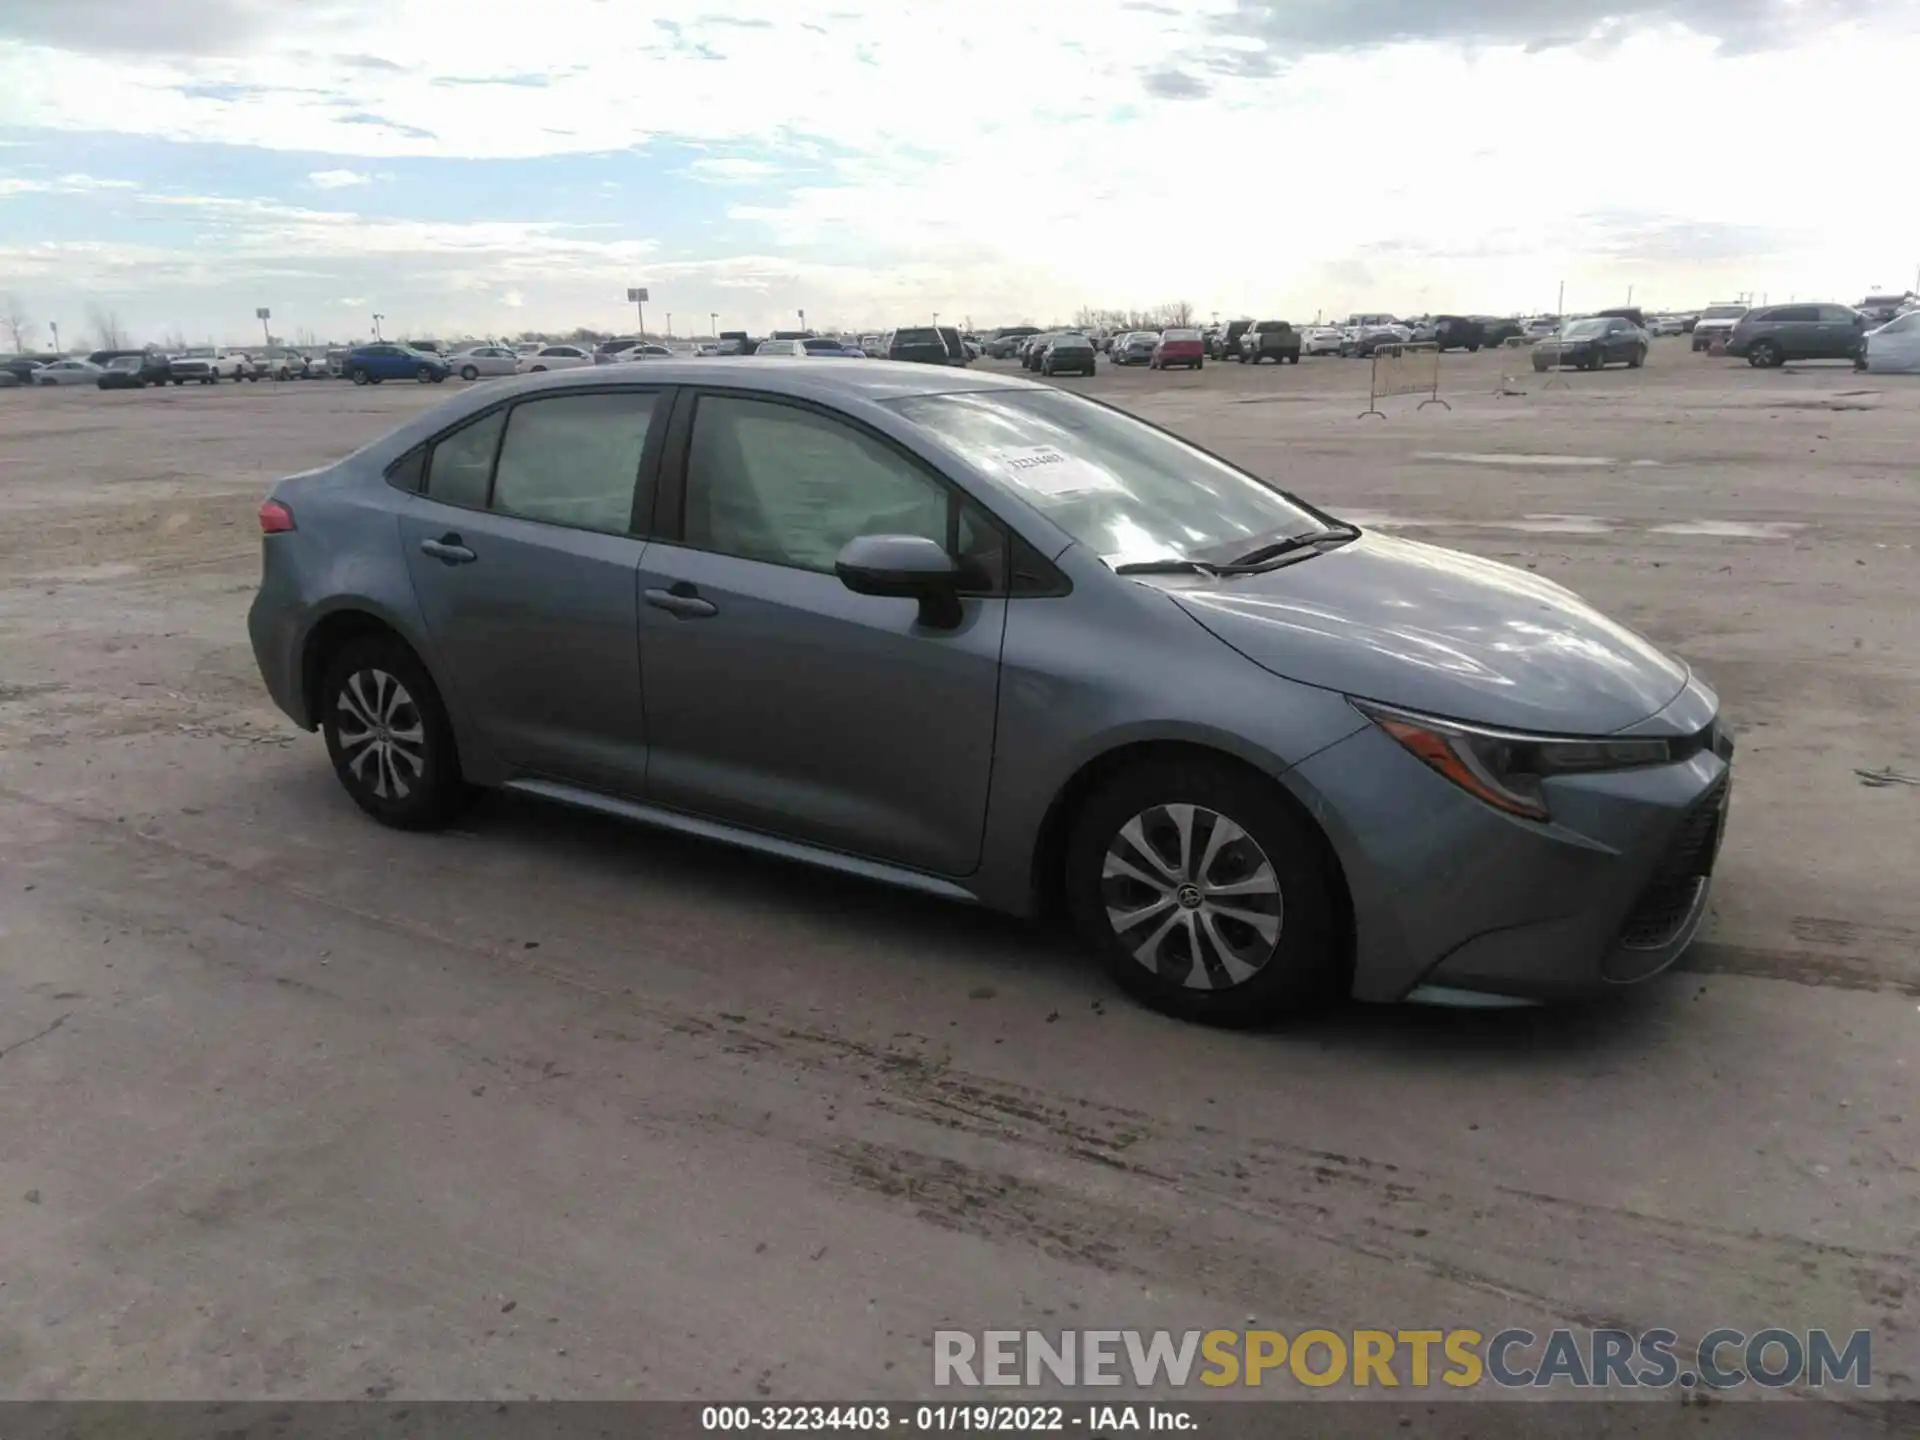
294 1106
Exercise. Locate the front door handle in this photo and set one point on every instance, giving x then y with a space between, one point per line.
682 598
448 550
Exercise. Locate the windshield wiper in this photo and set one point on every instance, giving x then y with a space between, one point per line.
1339 532
1167 567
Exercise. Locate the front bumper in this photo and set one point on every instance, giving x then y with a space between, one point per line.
1450 894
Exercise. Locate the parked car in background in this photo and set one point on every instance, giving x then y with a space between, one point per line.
1776 334
1496 330
1135 348
919 345
277 362
1033 349
871 347
68 372
1894 348
22 367
1179 347
1321 340
480 362
776 349
1716 322
1541 326
736 342
205 365
1069 355
1274 340
1026 619
555 357
134 371
1372 320
1372 339
10 378
1225 342
828 348
104 358
1592 344
388 360
1663 325
1878 309
1630 313
1457 332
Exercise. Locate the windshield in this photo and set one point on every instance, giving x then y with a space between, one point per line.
1584 329
1723 312
1129 491
1182 335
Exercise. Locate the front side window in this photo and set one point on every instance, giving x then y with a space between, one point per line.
574 459
787 486
1128 491
462 463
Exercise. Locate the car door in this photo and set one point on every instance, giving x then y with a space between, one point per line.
778 699
1840 331
523 549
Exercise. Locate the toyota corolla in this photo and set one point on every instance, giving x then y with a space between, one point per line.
1002 644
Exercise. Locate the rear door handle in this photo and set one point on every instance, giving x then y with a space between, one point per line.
448 550
682 598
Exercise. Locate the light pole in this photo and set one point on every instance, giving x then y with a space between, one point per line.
54 325
803 318
669 324
936 318
1560 305
376 325
263 315
713 323
1629 297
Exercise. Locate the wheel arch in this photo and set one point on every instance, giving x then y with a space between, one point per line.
1047 867
339 628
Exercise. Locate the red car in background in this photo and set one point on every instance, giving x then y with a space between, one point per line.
1178 347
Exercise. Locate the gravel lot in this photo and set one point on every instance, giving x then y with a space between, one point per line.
294 1106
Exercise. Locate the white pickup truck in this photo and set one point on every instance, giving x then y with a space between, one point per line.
208 366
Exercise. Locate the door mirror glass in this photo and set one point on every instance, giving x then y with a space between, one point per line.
908 567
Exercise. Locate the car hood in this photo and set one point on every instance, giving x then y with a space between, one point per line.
1441 632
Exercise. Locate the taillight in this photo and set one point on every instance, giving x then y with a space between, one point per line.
275 518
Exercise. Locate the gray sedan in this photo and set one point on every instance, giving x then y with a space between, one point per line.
1003 644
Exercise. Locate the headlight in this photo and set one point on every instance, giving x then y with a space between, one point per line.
1504 768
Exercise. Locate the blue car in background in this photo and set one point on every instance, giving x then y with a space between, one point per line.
370 364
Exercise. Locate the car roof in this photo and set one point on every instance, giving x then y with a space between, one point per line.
798 377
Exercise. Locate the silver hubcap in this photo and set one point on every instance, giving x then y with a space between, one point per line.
1192 896
382 737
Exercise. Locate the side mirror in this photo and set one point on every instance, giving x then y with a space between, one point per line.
909 567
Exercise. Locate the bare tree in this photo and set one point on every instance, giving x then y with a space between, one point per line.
16 322
174 341
113 335
1177 314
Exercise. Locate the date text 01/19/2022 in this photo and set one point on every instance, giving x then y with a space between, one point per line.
1084 1419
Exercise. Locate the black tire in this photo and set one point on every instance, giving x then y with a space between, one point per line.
1637 359
1763 354
1300 969
378 676
179 382
1473 347
469 372
538 370
359 377
1199 364
1294 359
424 375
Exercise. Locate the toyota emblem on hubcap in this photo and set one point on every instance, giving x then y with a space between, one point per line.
1188 896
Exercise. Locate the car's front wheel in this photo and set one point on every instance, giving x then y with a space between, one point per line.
388 735
1763 354
1205 893
468 372
360 377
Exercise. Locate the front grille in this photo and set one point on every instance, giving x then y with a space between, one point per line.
1682 873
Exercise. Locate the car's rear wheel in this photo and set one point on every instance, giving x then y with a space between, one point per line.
539 370
469 372
1294 359
424 375
1764 353
1198 364
388 735
1637 359
360 377
1205 893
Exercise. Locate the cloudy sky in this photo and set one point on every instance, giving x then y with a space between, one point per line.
480 166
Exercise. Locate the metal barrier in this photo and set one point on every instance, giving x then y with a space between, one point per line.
1404 370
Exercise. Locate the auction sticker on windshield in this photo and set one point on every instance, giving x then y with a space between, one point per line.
1052 475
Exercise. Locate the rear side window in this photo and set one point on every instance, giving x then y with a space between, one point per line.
1836 314
916 337
574 459
462 463
1792 313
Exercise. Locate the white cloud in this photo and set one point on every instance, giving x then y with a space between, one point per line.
513 300
914 165
731 169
